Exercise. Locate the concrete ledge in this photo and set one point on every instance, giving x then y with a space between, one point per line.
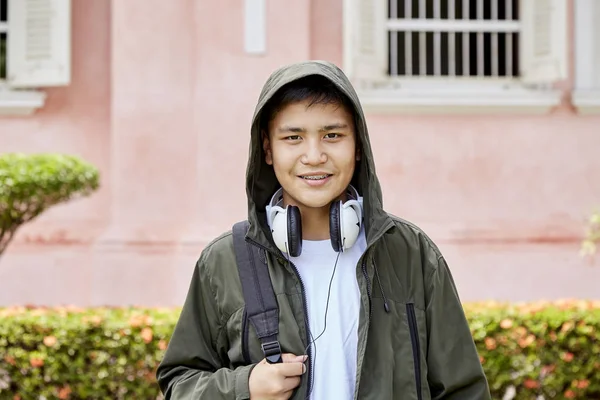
456 101
20 102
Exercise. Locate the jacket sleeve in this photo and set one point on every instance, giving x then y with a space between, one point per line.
191 367
454 368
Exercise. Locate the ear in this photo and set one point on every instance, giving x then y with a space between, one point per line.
267 148
358 154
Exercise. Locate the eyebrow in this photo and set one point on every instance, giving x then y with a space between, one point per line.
325 128
333 127
292 129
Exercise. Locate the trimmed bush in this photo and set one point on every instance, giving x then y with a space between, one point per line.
71 353
592 236
527 350
539 349
30 184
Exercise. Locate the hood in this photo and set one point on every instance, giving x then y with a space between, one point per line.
261 182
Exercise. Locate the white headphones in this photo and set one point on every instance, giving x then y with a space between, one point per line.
345 220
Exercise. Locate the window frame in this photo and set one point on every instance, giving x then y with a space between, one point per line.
389 94
4 30
22 92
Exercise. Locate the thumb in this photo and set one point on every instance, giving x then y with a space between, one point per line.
290 358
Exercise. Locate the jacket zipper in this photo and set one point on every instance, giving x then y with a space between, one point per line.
309 352
414 338
245 350
308 343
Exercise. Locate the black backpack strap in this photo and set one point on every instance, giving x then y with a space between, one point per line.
261 305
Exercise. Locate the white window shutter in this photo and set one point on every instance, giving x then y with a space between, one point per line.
543 44
39 43
365 41
595 38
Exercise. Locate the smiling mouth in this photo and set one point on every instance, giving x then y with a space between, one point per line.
315 177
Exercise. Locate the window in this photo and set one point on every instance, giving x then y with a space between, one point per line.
35 50
453 38
403 54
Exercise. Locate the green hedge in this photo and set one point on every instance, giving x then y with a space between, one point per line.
70 353
530 349
539 349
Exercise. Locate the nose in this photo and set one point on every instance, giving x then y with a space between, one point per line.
314 154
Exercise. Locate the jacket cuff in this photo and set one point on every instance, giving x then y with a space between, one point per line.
242 386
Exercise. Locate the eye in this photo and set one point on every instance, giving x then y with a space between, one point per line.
332 135
292 137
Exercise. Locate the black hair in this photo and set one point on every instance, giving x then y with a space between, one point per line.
314 88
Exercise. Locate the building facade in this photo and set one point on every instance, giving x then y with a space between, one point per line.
484 117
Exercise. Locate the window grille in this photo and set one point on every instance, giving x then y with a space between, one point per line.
453 38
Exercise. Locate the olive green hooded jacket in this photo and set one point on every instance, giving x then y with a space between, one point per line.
413 338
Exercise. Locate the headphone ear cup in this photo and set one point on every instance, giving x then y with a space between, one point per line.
334 226
350 221
294 231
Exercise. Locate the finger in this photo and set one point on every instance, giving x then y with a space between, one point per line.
292 369
289 384
288 395
284 395
287 357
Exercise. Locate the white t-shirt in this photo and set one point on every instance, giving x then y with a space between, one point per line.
334 353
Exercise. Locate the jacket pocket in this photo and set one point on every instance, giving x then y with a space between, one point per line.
414 338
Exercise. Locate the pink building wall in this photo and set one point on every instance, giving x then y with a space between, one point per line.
161 100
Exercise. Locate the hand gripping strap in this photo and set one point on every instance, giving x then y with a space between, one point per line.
261 305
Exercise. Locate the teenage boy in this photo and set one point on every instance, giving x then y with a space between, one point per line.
367 305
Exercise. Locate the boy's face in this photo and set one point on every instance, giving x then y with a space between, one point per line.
313 153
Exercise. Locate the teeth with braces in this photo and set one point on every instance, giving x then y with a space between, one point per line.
315 177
